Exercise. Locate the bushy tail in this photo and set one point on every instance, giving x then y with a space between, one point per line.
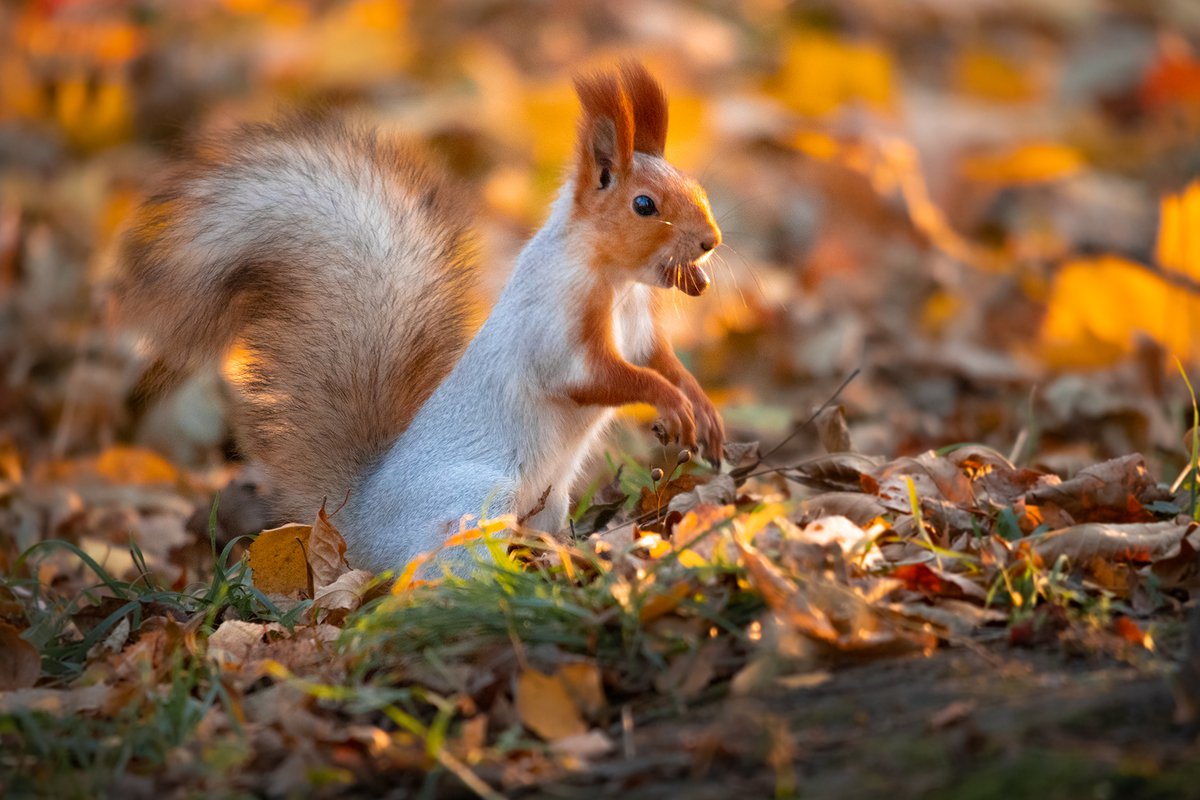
334 257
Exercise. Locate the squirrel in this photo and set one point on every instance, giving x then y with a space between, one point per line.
336 257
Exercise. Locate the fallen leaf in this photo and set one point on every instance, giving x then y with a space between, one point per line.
690 673
828 613
989 75
844 472
544 706
114 641
1100 306
1138 543
1112 491
583 746
1128 630
832 430
20 663
135 465
933 581
585 685
326 551
237 641
277 559
1035 162
653 501
343 595
859 508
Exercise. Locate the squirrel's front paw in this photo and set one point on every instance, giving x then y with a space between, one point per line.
709 426
678 421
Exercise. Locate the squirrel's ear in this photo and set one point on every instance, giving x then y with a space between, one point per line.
649 105
605 131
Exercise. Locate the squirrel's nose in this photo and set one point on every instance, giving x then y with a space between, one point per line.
713 240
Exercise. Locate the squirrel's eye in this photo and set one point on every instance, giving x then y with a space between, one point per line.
644 206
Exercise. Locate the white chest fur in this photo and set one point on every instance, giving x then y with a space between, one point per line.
633 325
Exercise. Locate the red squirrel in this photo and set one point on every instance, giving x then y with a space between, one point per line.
334 255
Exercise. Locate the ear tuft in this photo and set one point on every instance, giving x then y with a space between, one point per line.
606 127
649 105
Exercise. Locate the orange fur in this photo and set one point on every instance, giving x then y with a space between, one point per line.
614 381
623 130
649 105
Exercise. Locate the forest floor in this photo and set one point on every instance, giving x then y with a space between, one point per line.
954 331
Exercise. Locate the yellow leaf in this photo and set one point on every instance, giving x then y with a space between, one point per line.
815 144
989 75
1179 231
278 562
1098 307
1034 162
821 73
665 601
93 114
121 464
544 706
584 684
940 309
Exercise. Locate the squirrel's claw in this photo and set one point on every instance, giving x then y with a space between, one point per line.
677 425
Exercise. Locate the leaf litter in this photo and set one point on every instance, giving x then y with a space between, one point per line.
149 644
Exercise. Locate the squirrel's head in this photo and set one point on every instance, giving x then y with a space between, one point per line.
642 218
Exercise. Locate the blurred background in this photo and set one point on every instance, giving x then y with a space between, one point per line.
986 205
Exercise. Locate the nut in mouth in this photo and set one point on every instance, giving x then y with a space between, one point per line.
688 277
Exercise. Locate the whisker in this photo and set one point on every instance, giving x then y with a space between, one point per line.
736 284
762 292
737 206
703 177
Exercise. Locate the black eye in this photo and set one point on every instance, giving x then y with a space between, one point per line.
644 206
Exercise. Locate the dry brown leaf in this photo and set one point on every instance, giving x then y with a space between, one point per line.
343 595
654 501
719 491
1113 491
237 641
584 746
859 508
20 663
1182 568
827 613
544 706
278 562
1137 542
955 616
833 431
784 597
933 581
844 472
326 551
689 673
584 683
